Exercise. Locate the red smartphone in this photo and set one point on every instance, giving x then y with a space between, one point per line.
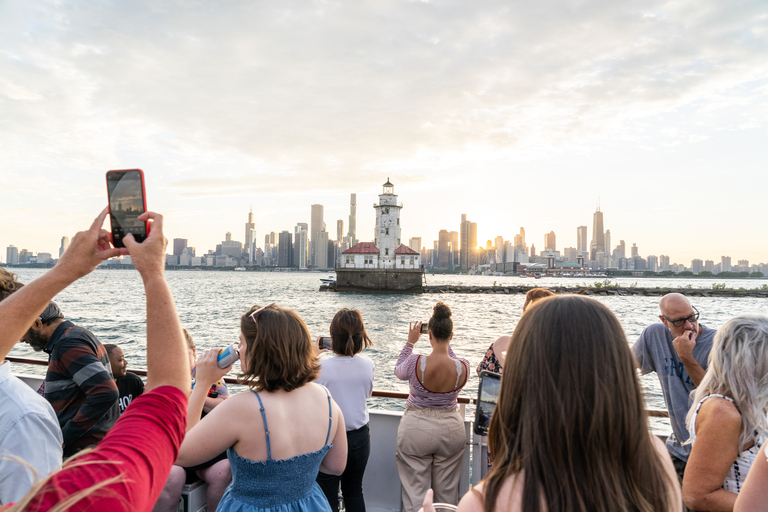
127 200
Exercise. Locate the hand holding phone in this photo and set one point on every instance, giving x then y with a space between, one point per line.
325 343
424 328
127 201
487 397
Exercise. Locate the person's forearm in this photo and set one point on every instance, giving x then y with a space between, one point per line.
694 369
195 406
167 356
211 402
19 311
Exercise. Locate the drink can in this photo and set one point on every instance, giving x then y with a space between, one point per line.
227 356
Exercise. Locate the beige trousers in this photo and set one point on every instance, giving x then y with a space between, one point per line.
430 445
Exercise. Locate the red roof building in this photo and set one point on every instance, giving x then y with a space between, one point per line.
363 248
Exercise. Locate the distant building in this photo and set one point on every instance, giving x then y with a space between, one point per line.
285 250
725 264
317 225
179 244
550 241
339 230
12 255
250 235
581 240
415 243
697 266
320 245
64 245
44 257
598 235
301 246
352 235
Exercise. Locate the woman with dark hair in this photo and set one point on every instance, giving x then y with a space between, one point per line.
431 436
570 430
494 356
348 375
278 435
728 422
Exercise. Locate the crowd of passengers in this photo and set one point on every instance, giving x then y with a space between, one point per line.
569 432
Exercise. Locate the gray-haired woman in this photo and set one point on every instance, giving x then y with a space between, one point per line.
728 419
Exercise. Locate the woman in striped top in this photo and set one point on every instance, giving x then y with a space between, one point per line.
431 437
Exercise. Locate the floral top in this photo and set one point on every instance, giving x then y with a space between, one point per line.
490 362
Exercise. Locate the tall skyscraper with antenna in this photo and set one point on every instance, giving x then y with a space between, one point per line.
598 235
250 231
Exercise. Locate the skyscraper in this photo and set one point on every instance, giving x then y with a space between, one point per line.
352 220
317 225
550 243
250 230
467 243
12 255
444 249
415 243
284 250
179 244
339 230
581 239
64 245
598 235
300 245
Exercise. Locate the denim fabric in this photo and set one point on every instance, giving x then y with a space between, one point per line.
358 450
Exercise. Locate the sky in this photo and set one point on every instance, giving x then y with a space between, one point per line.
514 113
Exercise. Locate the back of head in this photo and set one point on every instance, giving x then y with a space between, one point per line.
441 324
738 368
279 350
535 294
348 333
8 284
571 414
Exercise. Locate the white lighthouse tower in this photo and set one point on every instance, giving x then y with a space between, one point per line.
387 234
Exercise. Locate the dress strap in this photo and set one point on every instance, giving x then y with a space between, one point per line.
458 372
330 415
266 429
423 366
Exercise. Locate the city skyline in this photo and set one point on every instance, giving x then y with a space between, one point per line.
659 110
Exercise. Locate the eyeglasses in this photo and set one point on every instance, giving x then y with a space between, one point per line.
255 315
681 321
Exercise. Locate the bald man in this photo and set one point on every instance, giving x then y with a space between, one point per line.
677 350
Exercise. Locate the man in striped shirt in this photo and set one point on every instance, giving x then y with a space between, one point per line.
79 383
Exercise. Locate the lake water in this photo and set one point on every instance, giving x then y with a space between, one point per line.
111 304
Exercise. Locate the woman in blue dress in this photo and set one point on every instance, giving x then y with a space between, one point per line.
280 433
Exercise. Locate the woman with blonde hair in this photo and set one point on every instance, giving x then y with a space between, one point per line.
728 422
570 431
431 437
279 434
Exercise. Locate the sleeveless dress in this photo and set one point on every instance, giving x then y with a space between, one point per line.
286 485
734 480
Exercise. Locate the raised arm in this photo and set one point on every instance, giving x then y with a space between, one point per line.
167 357
754 495
85 252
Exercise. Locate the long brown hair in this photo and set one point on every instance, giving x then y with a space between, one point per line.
279 350
571 416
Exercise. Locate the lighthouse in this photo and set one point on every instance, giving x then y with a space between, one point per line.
387 231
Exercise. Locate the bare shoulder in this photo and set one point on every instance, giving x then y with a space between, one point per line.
719 413
472 501
501 344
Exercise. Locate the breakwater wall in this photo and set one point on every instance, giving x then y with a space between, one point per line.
593 290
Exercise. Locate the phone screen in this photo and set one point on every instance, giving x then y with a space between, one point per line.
126 203
424 328
325 342
487 397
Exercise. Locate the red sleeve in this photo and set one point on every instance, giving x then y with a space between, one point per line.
140 449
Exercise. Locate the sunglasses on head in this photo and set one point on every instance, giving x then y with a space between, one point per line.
255 315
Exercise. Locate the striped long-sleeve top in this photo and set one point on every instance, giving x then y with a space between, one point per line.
80 387
419 396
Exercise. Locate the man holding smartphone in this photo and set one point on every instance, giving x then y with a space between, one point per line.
79 382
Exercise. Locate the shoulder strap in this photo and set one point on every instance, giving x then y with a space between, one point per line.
266 429
423 366
330 415
458 372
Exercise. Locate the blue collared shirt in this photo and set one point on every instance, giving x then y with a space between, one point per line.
30 431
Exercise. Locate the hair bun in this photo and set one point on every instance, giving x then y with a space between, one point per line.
442 311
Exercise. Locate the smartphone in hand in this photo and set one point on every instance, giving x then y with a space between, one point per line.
325 342
424 328
127 200
487 397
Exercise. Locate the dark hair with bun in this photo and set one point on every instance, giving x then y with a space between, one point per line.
441 324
